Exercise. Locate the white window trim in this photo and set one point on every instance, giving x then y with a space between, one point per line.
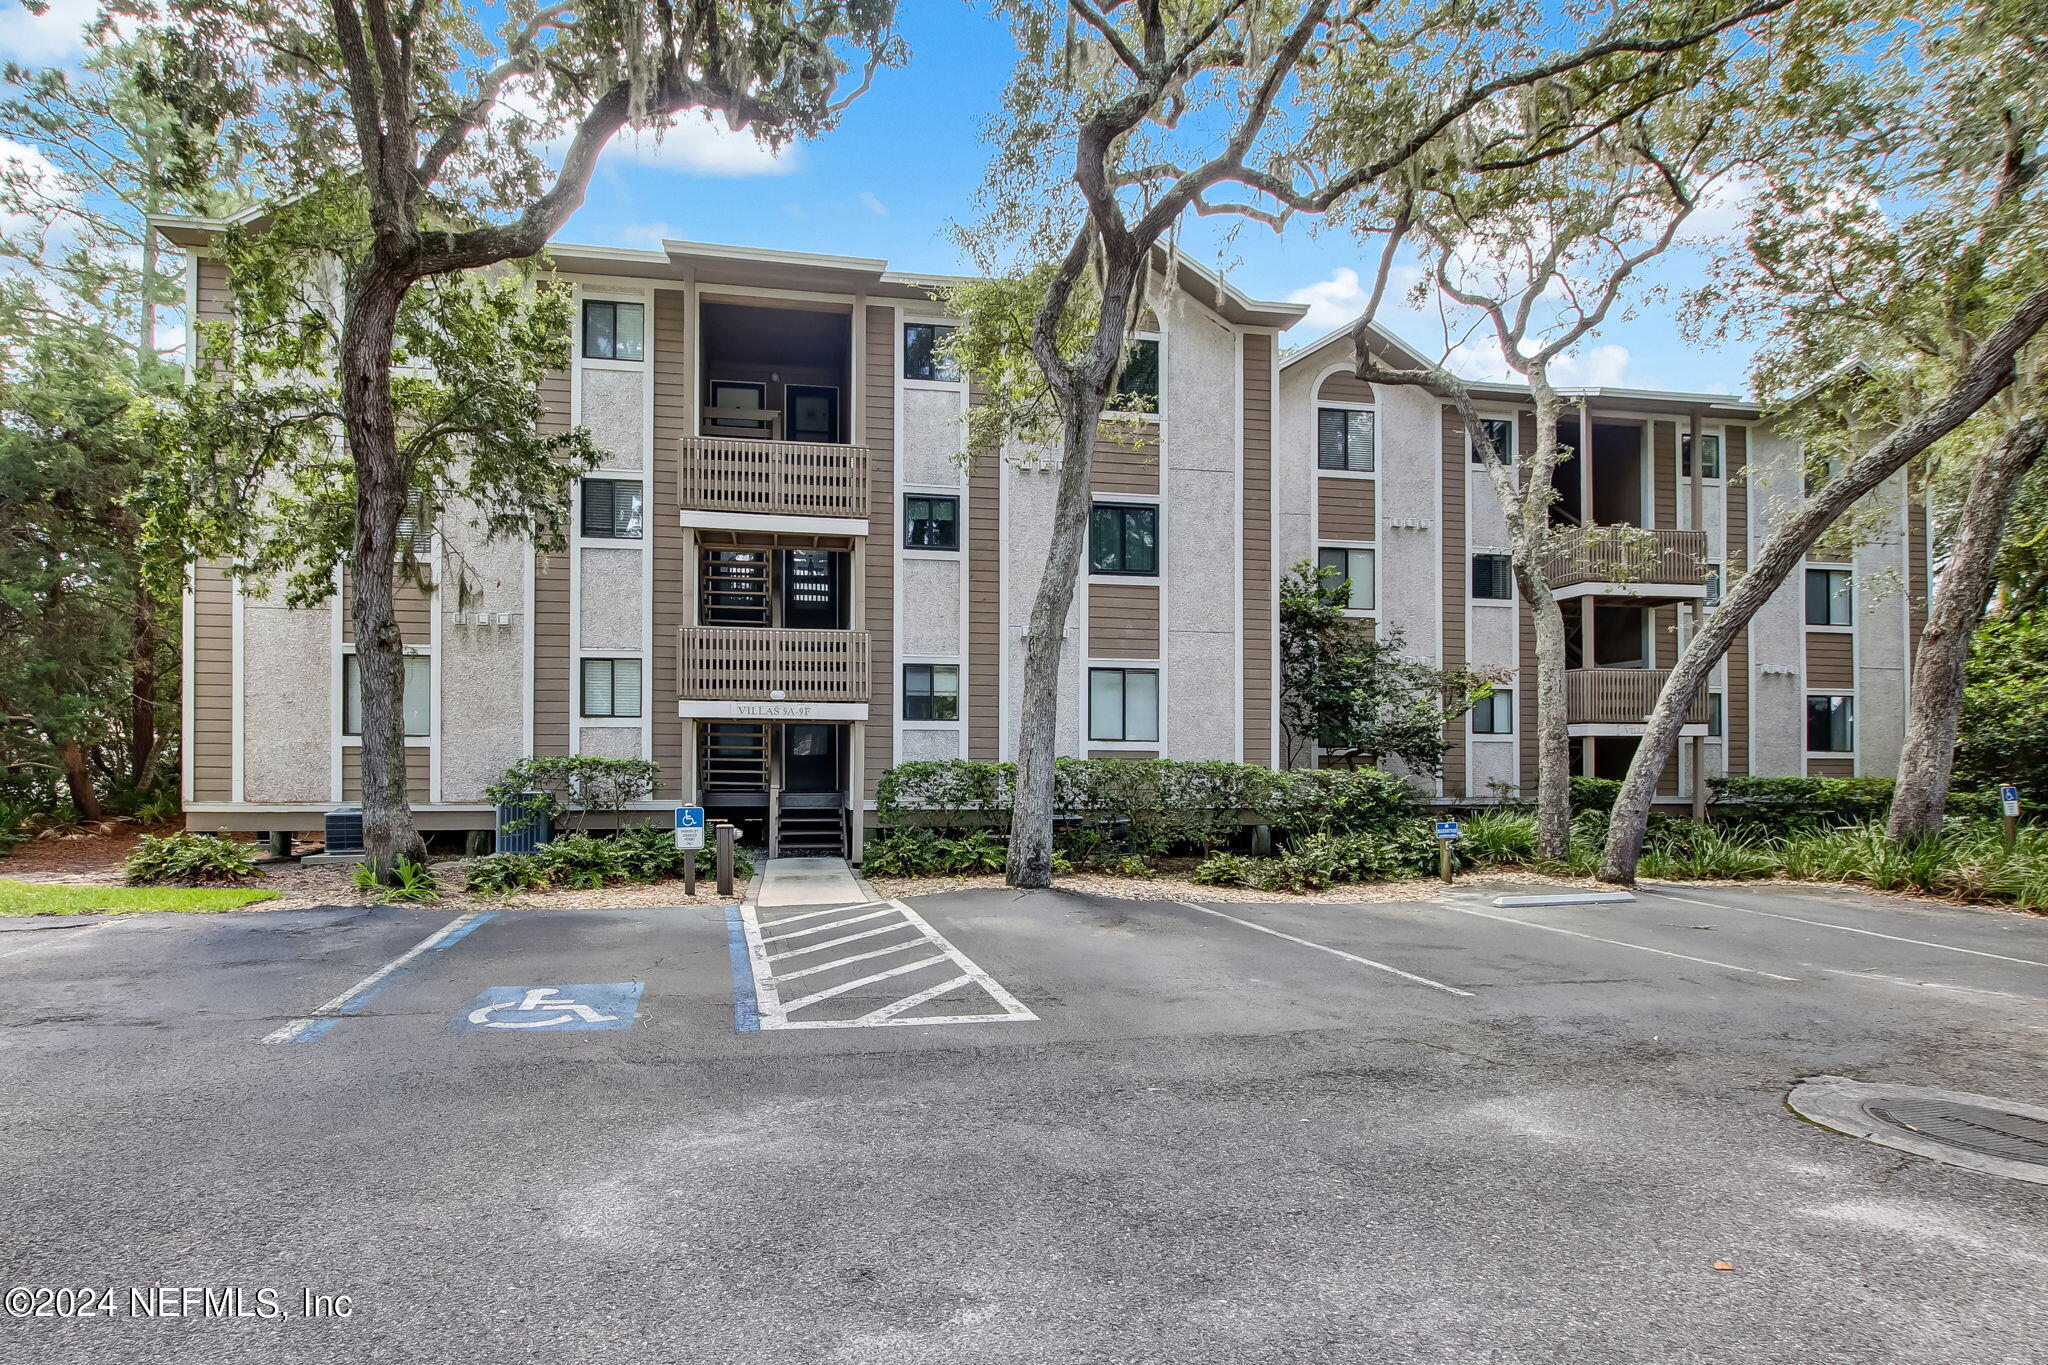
904 661
349 741
906 491
1514 421
583 722
1124 500
589 294
1855 724
1508 736
1832 566
1514 596
905 321
1359 613
1144 418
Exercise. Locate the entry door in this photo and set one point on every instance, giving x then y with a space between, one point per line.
811 590
810 758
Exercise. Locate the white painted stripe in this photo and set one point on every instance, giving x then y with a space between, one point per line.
826 928
911 1002
1619 943
1326 948
855 984
1847 929
823 944
857 957
813 914
69 933
298 1026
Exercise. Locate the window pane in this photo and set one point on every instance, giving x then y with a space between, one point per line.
1829 724
598 319
1839 602
597 687
1330 435
1140 377
1141 540
1334 559
351 695
1491 577
1715 717
1816 597
1103 542
1105 703
1359 446
1713 585
419 709
628 331
1141 706
945 686
1710 457
917 692
1501 432
1364 590
930 523
597 507
923 357
625 687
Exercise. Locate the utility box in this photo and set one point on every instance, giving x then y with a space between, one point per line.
344 827
521 832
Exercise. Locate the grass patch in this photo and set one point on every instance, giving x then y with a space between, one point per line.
37 898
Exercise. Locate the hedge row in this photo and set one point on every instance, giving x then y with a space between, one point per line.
1162 803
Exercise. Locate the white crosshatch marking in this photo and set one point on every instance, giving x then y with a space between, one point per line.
972 996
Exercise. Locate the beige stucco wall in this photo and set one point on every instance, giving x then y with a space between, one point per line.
1200 526
287 701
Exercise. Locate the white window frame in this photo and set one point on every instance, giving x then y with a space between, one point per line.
1829 627
348 740
1849 696
1156 667
1514 451
1501 701
1349 548
589 295
1315 454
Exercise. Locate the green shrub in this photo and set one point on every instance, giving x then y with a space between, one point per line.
578 785
1148 806
929 853
1687 850
1781 804
1594 793
1225 869
1499 837
410 882
500 874
187 857
1129 866
580 861
647 853
1311 865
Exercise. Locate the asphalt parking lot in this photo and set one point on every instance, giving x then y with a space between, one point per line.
1075 1130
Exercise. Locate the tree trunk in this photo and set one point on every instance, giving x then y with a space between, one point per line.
78 777
1928 760
1553 735
1987 374
142 687
1030 856
367 418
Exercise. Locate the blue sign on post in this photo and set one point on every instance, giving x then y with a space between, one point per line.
2009 798
551 1009
1447 829
689 827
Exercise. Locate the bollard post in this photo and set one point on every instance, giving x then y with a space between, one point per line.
725 860
690 873
1443 859
280 843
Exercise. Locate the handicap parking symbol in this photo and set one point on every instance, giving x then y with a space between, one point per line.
551 1009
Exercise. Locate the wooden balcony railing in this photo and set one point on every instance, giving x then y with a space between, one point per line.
1620 696
742 663
1629 554
775 478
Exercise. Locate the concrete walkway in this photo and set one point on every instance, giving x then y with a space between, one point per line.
788 882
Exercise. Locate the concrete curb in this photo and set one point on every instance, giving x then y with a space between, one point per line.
1836 1103
1566 898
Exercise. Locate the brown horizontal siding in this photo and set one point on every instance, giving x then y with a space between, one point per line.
1831 767
550 607
671 543
213 684
985 606
878 401
1121 753
409 602
1830 661
1126 459
1257 564
1345 508
1123 621
1452 463
418 778
1345 388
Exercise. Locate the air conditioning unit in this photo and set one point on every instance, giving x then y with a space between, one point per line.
519 831
344 825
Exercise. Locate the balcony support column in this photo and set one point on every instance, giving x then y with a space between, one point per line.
1585 463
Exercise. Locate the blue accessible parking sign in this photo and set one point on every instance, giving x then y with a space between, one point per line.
1447 829
551 1009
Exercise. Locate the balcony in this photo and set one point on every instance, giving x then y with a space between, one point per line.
742 476
746 672
1616 700
1627 561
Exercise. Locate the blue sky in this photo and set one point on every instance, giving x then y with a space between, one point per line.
904 163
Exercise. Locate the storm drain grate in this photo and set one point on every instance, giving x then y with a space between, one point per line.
1974 1128
1987 1133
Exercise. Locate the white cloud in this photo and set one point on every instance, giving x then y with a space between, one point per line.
697 146
647 235
39 182
1332 302
51 36
1602 367
872 204
1723 212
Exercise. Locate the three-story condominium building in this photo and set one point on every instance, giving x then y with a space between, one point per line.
785 577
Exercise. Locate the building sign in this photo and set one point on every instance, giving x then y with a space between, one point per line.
772 710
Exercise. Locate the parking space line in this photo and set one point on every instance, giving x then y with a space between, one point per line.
352 999
815 914
758 985
1326 948
1616 942
68 933
1845 928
